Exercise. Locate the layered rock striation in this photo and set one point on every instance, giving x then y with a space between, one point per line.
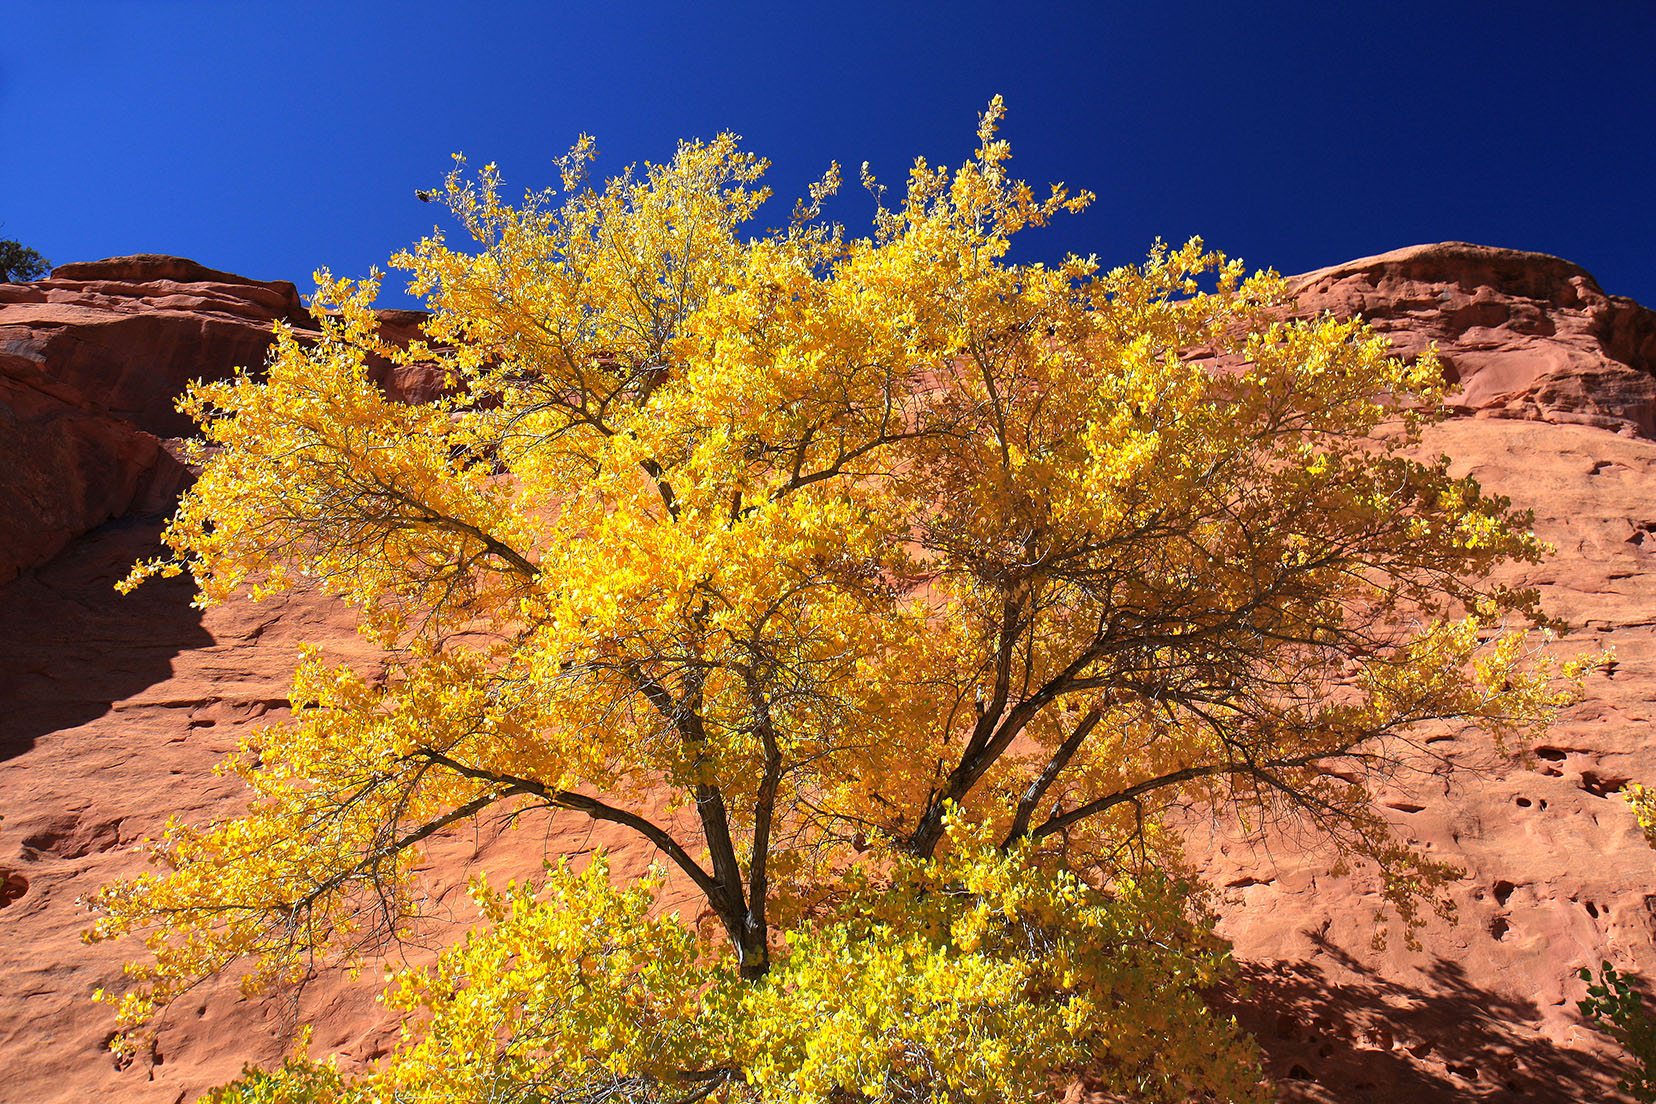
1524 335
116 709
92 361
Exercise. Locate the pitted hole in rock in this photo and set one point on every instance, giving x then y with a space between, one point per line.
1297 1072
1601 785
70 836
1522 802
1503 892
1405 806
1247 880
1547 757
1498 928
12 888
1464 1070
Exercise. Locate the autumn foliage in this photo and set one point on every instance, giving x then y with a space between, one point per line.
925 583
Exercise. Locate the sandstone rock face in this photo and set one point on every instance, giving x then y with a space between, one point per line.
68 464
115 709
91 362
130 332
1556 874
1524 335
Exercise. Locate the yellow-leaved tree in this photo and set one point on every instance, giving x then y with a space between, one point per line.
923 582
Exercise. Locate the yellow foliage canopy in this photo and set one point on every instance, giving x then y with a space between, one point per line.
924 580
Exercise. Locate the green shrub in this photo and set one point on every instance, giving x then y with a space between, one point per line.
1616 1008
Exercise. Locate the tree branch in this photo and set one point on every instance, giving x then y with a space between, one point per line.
592 807
1038 788
1173 778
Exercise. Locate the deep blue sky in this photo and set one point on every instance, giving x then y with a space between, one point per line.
270 138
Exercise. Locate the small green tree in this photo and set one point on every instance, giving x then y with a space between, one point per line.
19 263
1616 1008
1613 1006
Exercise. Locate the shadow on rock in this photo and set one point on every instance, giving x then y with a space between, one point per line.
70 646
1368 1038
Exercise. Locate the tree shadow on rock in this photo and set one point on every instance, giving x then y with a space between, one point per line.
71 647
1367 1038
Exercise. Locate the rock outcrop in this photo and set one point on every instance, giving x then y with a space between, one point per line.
1524 335
115 709
128 333
91 363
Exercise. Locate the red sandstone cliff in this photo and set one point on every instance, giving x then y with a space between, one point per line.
116 708
91 361
1525 335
